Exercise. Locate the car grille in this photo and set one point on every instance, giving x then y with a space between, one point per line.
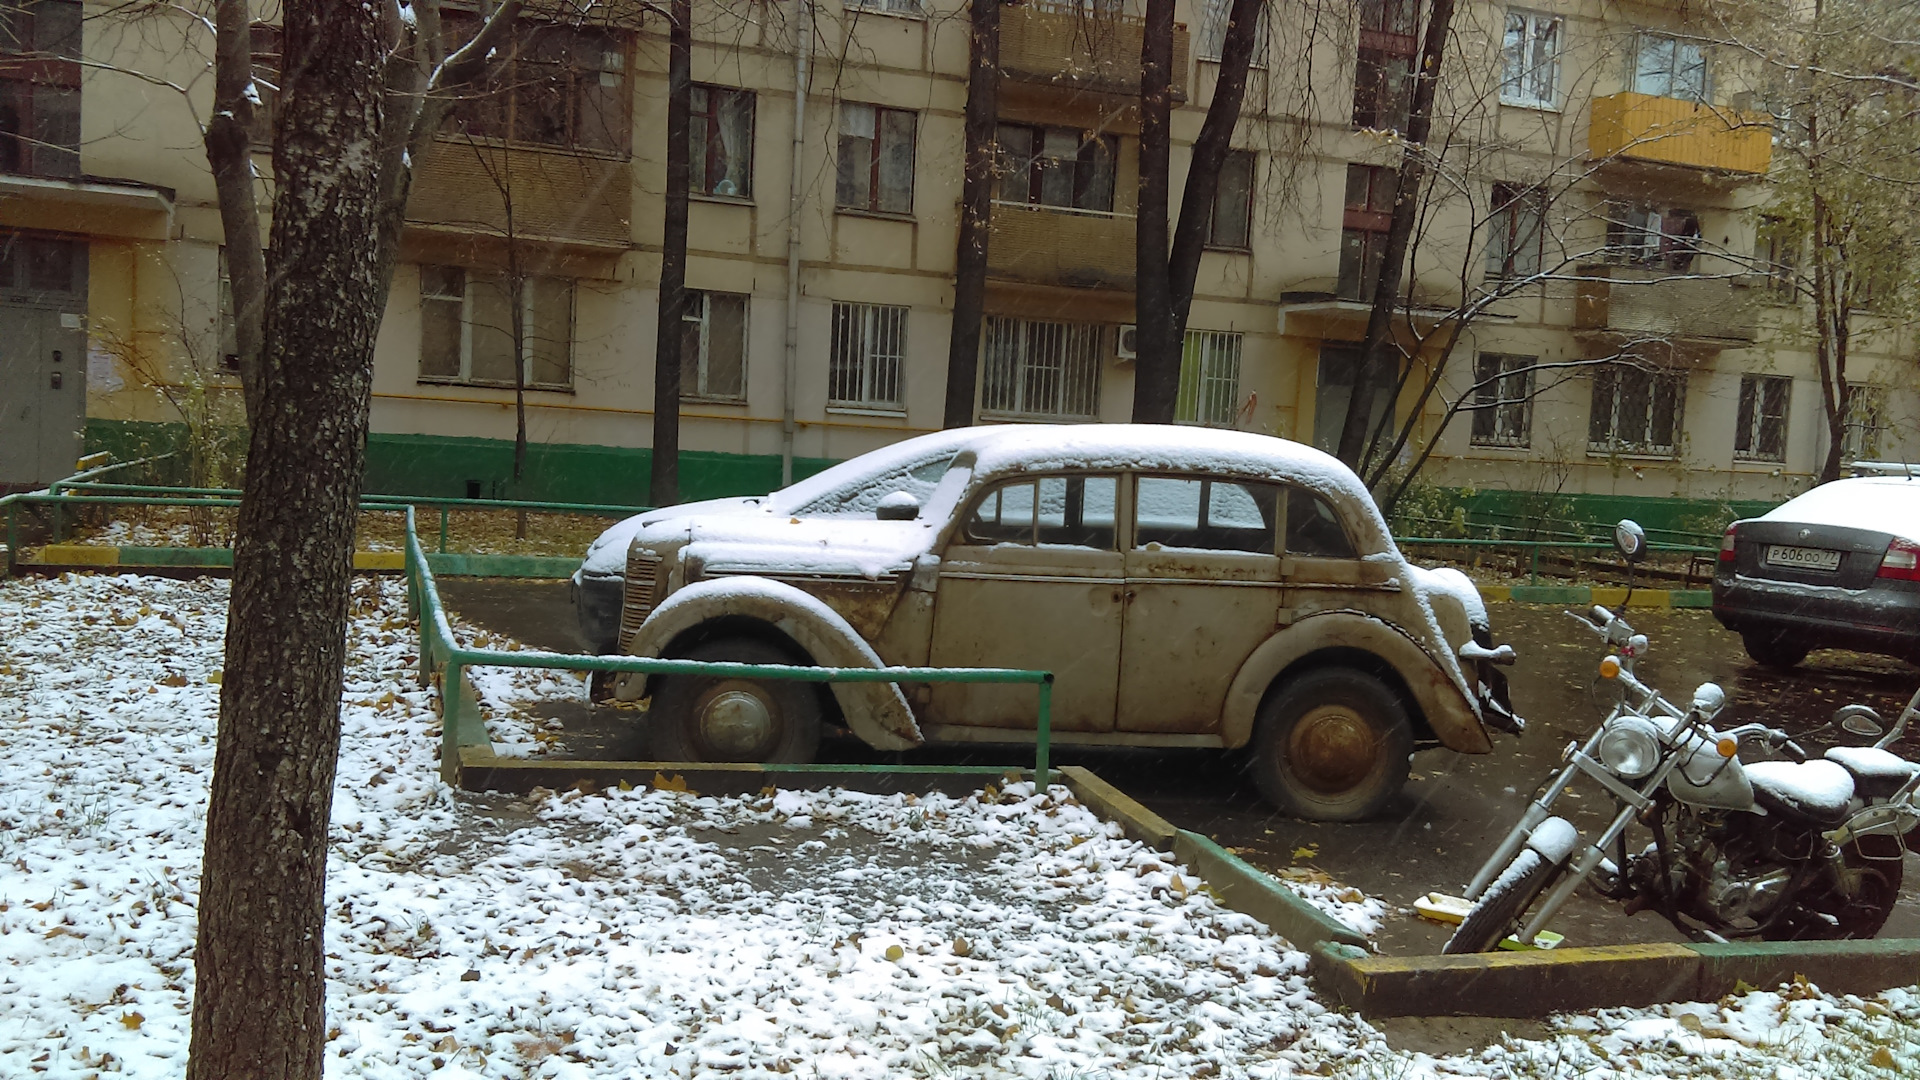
636 597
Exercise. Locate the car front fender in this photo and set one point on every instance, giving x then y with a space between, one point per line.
876 712
1448 712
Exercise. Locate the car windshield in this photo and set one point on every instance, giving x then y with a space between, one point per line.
857 486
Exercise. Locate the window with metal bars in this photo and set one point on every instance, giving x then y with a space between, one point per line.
1760 431
868 355
1209 379
1503 399
1040 369
1636 410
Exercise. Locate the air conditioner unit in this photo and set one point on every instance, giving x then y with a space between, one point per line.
1125 342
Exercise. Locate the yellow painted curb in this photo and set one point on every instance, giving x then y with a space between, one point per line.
379 560
80 555
1496 594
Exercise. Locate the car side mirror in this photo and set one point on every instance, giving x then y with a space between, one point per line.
1630 540
899 506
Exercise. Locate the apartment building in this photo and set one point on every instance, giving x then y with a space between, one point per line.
1600 199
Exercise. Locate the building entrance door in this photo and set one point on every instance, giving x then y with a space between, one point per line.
43 395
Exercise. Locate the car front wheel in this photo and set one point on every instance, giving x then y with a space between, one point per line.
704 718
1332 744
1773 650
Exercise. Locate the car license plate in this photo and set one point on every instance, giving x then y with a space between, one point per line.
1801 558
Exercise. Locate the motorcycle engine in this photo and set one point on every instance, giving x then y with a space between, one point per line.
1732 873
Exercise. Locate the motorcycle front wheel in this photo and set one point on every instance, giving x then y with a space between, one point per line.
1497 913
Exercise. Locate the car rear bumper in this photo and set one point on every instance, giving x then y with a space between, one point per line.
1879 620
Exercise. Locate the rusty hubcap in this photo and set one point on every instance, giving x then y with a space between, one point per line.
1332 748
735 723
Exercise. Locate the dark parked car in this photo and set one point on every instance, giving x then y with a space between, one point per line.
1836 568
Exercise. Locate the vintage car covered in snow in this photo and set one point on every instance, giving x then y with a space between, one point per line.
1187 588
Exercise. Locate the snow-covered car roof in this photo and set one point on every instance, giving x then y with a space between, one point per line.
1887 504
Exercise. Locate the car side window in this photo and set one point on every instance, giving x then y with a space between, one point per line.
1076 511
1205 514
1313 528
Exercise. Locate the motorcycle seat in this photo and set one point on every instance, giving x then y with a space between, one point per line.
1815 792
1876 772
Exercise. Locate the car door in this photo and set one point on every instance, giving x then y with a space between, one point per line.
1320 565
1203 589
1032 579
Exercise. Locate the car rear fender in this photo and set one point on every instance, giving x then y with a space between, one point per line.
876 712
1342 637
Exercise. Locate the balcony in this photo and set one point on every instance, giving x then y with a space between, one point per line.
1067 46
560 198
1047 245
1670 131
1642 305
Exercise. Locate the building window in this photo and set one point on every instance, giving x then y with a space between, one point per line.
561 86
1866 422
468 321
1040 369
1383 71
889 7
876 159
267 44
229 322
1503 399
720 130
1213 33
1232 222
1636 410
1063 167
868 354
1760 432
1515 240
713 346
40 87
1209 379
1777 245
1659 239
1363 232
1668 67
1530 60
1339 371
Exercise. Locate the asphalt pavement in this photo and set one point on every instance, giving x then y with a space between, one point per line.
1455 808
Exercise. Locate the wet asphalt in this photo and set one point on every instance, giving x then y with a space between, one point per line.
1455 808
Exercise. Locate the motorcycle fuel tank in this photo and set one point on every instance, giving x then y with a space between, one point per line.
1704 778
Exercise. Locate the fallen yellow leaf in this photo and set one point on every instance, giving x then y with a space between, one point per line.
132 1021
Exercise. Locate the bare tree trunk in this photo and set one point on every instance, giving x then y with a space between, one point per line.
664 488
1156 369
1377 347
976 213
229 142
258 1007
1832 312
1209 154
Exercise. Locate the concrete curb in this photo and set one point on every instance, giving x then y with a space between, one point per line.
1584 596
56 557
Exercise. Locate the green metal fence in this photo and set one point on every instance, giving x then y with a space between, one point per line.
1533 548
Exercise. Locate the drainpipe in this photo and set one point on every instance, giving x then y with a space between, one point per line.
796 197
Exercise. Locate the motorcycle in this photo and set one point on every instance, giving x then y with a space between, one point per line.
1772 849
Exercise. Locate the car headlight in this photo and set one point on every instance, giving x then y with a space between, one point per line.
1630 746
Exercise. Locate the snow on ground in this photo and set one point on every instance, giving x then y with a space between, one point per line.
659 933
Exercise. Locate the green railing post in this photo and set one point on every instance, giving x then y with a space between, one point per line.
443 530
1533 564
1043 738
450 682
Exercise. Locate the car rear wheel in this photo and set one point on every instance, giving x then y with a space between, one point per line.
1773 650
703 718
1332 744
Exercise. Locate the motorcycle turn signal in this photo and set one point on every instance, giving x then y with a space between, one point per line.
1610 668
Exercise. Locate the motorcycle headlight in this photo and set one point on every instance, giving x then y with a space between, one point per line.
1630 746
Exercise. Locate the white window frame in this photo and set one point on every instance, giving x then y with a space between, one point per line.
1212 39
1495 376
1752 401
1669 83
873 377
904 9
1209 378
1018 375
1866 422
703 318
1524 71
529 323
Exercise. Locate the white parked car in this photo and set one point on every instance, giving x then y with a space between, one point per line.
1187 587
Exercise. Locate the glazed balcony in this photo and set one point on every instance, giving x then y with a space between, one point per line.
1643 304
1070 47
1048 245
1642 127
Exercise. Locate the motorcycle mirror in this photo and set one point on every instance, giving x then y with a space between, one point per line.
1859 720
1630 540
1708 699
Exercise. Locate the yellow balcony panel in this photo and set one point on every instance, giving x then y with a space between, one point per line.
1047 245
1676 132
557 195
1073 48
